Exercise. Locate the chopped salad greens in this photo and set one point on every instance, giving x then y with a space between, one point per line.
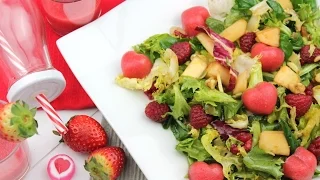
238 85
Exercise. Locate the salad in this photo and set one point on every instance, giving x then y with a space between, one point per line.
239 87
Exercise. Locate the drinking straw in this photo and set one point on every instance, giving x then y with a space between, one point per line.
52 114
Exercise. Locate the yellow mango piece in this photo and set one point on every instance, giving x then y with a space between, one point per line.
235 31
274 142
285 76
196 68
214 69
285 4
242 83
207 42
269 36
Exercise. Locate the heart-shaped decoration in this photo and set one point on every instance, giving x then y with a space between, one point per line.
300 165
61 165
261 99
203 171
271 57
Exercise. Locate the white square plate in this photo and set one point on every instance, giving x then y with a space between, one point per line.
93 53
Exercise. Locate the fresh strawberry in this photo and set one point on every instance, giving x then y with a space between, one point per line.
183 51
204 171
17 121
247 41
85 134
300 101
198 117
305 57
261 99
150 92
105 163
156 112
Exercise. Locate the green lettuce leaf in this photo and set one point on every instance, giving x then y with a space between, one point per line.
178 127
166 97
286 45
220 153
312 118
255 130
258 160
255 75
239 121
271 20
212 96
297 41
193 149
308 68
215 25
245 4
297 3
281 111
155 45
277 9
310 14
180 108
238 11
231 109
291 139
164 72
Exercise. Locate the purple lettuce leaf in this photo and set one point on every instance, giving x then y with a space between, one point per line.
225 130
222 52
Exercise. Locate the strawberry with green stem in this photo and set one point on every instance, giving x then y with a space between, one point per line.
105 163
17 121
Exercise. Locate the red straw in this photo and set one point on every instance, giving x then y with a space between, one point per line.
51 112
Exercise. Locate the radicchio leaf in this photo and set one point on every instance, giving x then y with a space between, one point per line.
222 52
225 130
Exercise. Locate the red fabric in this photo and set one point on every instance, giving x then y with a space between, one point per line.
73 97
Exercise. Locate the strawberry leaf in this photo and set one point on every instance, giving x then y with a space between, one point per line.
14 120
33 111
16 110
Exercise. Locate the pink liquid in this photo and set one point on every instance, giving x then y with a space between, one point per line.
66 17
13 160
22 47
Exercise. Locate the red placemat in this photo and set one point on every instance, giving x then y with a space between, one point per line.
73 97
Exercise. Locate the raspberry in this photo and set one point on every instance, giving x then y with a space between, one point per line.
308 90
198 118
244 137
182 50
305 57
150 91
314 147
300 101
156 111
234 149
247 41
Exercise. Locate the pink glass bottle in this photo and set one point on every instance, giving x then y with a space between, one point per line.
25 64
65 16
